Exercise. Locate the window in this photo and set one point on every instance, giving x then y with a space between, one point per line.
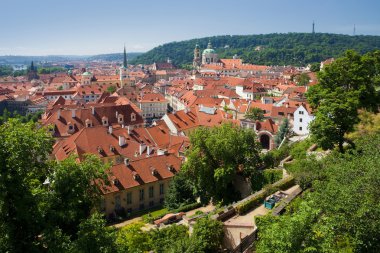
141 194
300 119
151 192
300 128
117 202
161 189
129 198
281 113
133 117
151 203
141 206
301 112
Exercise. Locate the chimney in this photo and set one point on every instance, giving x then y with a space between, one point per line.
117 113
110 129
142 148
73 113
129 130
93 110
121 141
59 114
148 150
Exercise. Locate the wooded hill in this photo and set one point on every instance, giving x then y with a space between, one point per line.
266 49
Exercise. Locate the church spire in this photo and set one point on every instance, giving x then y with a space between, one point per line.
125 63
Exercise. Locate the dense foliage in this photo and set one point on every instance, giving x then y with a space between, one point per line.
345 86
266 49
216 157
340 213
206 237
43 204
254 114
33 117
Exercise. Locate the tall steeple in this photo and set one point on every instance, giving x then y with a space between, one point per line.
125 63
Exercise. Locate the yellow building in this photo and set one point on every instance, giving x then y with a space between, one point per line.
140 184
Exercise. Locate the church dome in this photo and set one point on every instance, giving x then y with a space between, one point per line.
209 51
86 74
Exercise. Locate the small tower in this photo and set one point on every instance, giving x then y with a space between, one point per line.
197 57
313 31
124 69
32 72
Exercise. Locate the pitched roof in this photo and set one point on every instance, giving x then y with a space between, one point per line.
143 171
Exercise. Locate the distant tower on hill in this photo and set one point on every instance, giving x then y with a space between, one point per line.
197 57
354 30
313 31
124 69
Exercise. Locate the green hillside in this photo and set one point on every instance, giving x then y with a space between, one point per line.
267 49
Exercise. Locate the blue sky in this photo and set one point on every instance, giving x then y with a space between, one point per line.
47 27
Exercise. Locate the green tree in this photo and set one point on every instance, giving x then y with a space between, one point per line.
162 239
254 114
132 239
23 147
282 131
180 191
335 117
209 234
216 156
111 89
94 236
341 212
73 191
315 67
353 74
302 79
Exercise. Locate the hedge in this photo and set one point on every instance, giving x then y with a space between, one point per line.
187 207
158 214
258 198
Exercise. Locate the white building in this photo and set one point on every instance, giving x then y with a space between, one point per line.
153 105
302 119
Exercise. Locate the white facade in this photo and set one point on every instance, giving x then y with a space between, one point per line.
302 119
153 109
243 94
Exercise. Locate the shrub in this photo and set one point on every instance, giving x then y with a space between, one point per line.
255 201
261 178
258 198
187 207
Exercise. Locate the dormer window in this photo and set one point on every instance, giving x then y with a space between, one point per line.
153 171
135 175
133 117
70 127
120 119
105 121
88 123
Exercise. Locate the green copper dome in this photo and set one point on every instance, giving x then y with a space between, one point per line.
209 51
86 74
